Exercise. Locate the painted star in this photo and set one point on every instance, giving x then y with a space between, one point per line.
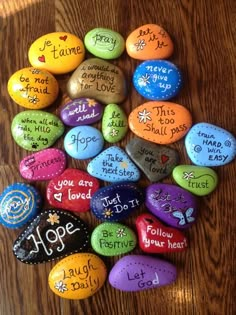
53 218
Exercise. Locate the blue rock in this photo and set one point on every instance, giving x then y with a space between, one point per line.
113 165
83 142
116 202
157 80
19 203
210 145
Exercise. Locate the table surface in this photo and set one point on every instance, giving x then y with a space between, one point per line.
203 34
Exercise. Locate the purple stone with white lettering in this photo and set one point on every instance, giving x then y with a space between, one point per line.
52 234
173 205
81 111
138 273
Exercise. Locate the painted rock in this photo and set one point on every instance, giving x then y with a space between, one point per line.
171 204
149 41
43 165
83 142
156 161
113 165
57 52
111 239
160 122
81 111
19 203
157 80
52 234
104 43
36 130
33 88
72 190
114 123
138 273
116 202
77 276
209 145
99 79
156 238
199 180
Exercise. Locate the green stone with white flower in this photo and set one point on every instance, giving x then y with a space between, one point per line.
111 239
114 123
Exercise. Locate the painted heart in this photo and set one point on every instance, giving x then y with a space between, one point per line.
41 58
164 158
58 197
154 237
63 37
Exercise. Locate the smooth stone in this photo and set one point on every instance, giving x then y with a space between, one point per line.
111 239
35 130
43 165
149 41
157 80
199 180
160 122
155 238
210 145
98 79
72 190
138 273
19 203
116 202
114 123
51 235
156 161
113 165
104 43
57 52
172 204
77 276
33 88
81 111
83 142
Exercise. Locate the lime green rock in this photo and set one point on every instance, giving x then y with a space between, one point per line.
35 130
104 43
114 123
198 180
111 239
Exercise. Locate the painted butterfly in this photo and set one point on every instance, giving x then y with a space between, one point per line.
184 217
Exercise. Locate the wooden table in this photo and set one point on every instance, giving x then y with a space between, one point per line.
203 34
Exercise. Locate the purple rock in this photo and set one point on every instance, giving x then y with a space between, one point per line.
171 204
138 272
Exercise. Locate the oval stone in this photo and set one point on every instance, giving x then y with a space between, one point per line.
111 239
51 235
57 52
198 180
149 41
19 203
43 165
116 202
114 123
138 273
34 130
210 145
99 79
33 88
77 276
81 111
157 80
171 204
104 43
83 142
72 190
160 122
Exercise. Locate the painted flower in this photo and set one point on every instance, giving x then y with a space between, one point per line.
140 44
53 218
114 132
91 102
107 213
121 232
61 286
124 164
144 116
35 71
187 175
33 99
143 80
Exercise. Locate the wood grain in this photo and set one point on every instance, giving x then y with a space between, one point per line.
204 36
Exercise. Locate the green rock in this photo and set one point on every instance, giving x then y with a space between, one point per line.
35 130
104 43
114 123
198 180
111 239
